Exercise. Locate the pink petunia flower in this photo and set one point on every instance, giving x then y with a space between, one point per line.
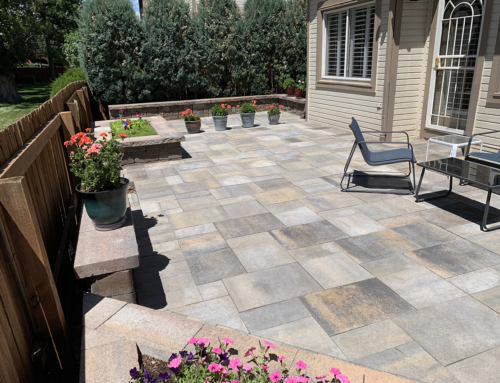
203 341
335 371
275 376
223 370
269 344
250 351
234 364
302 379
291 379
281 358
217 350
265 368
207 379
175 362
321 377
235 381
228 341
193 340
301 365
248 368
213 367
343 378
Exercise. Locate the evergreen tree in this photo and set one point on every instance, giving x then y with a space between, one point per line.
110 51
295 41
171 68
216 22
264 44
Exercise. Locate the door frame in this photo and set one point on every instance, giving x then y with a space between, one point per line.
427 130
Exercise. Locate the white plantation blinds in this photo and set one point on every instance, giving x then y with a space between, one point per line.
349 42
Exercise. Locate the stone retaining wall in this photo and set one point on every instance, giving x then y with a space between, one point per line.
172 110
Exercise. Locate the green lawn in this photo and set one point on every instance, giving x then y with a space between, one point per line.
139 128
33 96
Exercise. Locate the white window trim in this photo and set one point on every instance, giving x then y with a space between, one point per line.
324 42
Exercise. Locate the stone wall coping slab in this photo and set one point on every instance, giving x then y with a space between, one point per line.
104 252
158 333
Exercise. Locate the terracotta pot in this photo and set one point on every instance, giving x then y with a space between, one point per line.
290 90
193 126
298 94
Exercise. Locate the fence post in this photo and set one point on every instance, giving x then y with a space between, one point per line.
23 228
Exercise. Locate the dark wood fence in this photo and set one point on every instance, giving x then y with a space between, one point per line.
38 217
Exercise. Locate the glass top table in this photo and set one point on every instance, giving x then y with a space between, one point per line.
482 176
455 141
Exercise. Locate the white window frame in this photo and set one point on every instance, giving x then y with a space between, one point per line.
325 40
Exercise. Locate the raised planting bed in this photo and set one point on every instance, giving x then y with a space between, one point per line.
172 110
132 128
164 145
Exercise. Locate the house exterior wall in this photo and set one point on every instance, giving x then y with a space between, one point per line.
335 107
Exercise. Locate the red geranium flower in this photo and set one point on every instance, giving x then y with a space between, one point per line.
123 135
281 106
88 130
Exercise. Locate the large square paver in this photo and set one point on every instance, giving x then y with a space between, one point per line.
307 235
203 270
293 213
389 207
264 287
490 298
304 333
453 330
202 244
244 209
359 304
480 368
477 280
244 226
371 339
421 287
335 270
259 251
455 258
424 234
373 246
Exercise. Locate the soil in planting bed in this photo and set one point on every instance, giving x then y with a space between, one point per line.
137 128
154 366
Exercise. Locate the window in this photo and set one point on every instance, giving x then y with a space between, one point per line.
348 43
494 85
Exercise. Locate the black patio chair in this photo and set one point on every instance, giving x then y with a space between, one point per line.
378 158
487 159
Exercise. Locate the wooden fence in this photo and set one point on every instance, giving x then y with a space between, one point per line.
38 217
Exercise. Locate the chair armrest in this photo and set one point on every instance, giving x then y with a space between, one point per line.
410 146
478 134
387 131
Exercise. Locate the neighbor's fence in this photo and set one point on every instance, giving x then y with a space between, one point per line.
37 229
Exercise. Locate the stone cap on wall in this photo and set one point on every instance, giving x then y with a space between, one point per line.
104 252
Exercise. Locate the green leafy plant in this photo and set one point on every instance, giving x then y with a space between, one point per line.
96 163
273 111
220 110
70 48
190 116
300 86
248 108
288 83
71 75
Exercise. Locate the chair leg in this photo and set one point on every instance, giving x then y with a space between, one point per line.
414 183
346 167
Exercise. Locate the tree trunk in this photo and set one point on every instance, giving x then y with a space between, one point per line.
8 89
52 73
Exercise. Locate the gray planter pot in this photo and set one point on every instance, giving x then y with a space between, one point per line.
220 122
273 119
193 126
247 119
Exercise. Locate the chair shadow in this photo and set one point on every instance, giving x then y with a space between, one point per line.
358 180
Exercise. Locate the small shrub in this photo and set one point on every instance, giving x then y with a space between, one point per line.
213 365
190 116
273 111
288 83
220 110
248 108
71 75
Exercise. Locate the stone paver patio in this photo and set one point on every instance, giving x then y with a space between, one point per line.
251 231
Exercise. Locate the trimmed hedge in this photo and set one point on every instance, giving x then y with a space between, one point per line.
174 53
71 75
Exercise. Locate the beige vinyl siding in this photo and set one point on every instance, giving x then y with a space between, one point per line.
335 108
488 116
412 64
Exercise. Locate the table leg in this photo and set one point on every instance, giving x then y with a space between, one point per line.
485 215
427 153
453 151
419 199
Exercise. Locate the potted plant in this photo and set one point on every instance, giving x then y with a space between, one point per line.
103 191
192 121
247 114
273 114
219 115
299 87
289 85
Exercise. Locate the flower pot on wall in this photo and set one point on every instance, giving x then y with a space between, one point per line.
193 126
290 91
298 93
106 209
273 119
220 122
247 119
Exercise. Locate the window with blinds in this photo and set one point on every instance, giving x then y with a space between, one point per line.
349 42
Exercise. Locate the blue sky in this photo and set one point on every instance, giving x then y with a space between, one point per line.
136 5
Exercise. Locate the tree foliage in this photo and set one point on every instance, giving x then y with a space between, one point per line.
110 51
171 68
70 48
295 39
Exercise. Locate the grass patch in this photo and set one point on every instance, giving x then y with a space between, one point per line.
33 96
138 128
